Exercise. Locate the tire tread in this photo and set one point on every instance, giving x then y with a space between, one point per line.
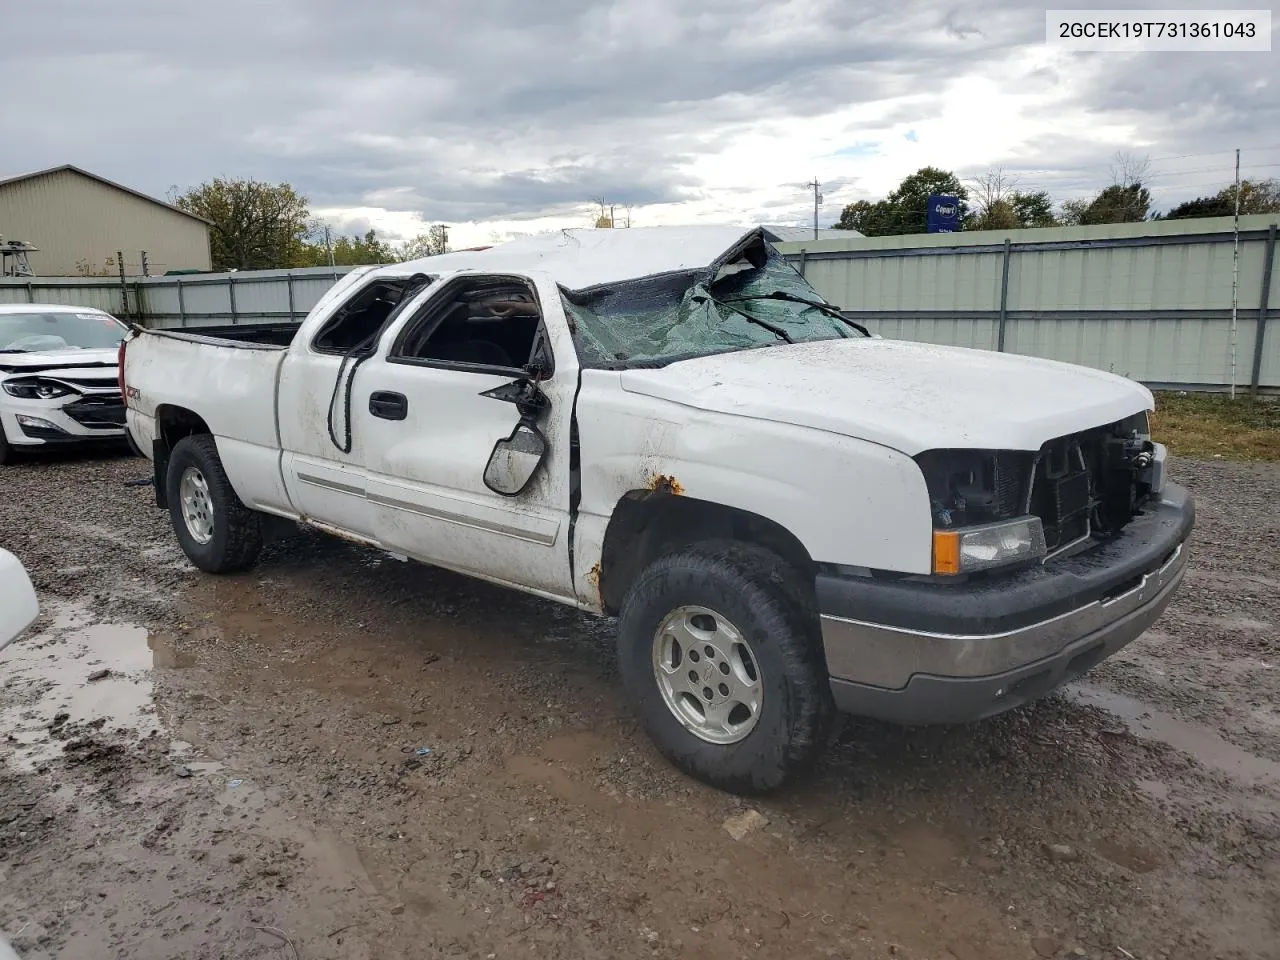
770 585
241 533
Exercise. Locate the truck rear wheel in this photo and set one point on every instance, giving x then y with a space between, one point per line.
722 657
218 533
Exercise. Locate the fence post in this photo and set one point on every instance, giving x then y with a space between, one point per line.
124 287
182 305
1269 255
31 293
803 256
231 292
1004 298
289 279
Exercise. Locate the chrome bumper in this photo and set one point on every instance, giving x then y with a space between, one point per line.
889 657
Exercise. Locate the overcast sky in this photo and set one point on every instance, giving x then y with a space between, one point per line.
510 116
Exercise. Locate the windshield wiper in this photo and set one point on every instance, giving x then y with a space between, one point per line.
772 328
14 350
817 304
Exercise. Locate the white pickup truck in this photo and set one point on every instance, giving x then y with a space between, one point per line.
788 516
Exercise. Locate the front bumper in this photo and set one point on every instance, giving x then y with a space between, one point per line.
922 653
73 419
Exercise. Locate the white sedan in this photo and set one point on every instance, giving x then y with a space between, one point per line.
59 377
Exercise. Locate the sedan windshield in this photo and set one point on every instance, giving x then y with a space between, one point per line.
39 332
758 301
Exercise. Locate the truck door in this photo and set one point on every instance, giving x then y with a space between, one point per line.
323 456
464 419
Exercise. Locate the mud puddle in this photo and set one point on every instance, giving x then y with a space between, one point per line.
1207 747
77 676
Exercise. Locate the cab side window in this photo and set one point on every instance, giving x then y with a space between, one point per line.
486 322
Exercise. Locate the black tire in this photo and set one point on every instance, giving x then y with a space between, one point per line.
759 594
237 531
7 454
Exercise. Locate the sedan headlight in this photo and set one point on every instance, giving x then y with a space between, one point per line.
970 549
36 388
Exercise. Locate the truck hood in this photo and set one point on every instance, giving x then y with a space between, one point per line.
58 360
908 396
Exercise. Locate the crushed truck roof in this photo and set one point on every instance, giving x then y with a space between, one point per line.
583 258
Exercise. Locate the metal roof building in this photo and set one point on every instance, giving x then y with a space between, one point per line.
79 221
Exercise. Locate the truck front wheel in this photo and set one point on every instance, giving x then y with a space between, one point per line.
722 657
218 533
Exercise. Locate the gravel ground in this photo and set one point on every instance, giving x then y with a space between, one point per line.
349 757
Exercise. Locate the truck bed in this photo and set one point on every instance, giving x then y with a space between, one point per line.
269 335
225 374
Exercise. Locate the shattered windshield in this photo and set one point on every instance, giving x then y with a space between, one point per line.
40 331
757 301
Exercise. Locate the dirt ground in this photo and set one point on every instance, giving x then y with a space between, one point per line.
338 755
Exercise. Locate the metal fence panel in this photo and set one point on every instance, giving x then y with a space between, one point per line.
231 298
73 291
1150 301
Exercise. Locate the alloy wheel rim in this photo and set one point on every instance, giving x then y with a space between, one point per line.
707 674
197 505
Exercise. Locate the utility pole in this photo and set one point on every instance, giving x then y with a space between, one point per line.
817 202
328 245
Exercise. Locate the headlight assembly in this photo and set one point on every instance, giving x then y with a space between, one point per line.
36 388
970 549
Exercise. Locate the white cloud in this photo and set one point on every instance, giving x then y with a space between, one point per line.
504 117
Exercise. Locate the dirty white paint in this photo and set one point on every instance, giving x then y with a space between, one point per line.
816 437
910 397
18 605
233 391
582 258
846 500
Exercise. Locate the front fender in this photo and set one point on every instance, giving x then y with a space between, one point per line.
847 501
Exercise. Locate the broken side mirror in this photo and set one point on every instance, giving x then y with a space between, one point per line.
515 460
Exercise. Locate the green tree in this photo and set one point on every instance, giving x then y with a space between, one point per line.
1214 206
1118 204
1000 205
998 215
906 209
910 201
1256 196
1033 209
1072 212
352 251
357 251
255 225
430 244
868 218
1125 201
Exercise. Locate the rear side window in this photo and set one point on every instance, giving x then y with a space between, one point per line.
355 325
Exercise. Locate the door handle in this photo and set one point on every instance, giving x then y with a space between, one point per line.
388 406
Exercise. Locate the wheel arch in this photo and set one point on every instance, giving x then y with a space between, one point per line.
647 524
173 423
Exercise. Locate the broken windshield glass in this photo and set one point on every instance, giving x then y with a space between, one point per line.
758 301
